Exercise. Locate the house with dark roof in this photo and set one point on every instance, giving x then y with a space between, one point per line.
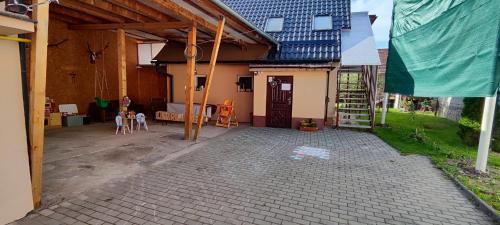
320 63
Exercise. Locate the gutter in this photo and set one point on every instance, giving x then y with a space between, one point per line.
245 21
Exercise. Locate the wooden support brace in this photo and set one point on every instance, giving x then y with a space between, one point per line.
191 64
122 67
208 82
38 75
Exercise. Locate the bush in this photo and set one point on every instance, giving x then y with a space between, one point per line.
470 124
469 131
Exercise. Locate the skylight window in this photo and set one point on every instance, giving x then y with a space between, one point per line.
322 23
274 24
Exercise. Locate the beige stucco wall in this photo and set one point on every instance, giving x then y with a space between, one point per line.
223 86
15 187
309 91
332 95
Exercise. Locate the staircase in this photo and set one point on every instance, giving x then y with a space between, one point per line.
353 108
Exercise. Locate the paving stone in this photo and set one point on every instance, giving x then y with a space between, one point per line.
253 176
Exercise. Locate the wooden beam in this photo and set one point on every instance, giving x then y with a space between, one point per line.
122 67
54 8
78 6
117 10
211 69
187 15
139 8
38 75
131 26
191 64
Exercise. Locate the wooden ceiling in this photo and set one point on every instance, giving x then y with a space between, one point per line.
149 20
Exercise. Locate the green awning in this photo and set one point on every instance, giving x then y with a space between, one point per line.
444 48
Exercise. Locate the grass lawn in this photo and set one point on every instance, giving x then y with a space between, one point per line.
424 134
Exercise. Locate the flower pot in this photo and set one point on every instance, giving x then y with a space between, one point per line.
308 129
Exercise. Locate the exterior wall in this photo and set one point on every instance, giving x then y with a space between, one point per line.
15 189
450 107
332 96
223 87
70 75
309 93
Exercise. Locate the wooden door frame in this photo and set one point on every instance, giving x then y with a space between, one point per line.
268 100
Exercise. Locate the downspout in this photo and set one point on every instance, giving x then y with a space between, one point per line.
327 99
24 83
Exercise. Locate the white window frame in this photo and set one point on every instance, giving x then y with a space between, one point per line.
314 22
196 82
266 29
246 75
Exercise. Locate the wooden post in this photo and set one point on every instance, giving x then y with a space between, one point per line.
38 75
485 136
122 67
191 64
211 69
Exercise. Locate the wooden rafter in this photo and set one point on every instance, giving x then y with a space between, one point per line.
78 6
209 8
187 15
139 8
191 64
67 12
38 77
131 26
208 82
116 10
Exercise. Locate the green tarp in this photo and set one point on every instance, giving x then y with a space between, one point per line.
444 48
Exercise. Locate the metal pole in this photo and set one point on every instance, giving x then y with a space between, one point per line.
384 108
486 128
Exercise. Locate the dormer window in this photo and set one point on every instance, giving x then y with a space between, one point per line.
322 23
274 24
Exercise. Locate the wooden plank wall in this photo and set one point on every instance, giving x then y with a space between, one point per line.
70 75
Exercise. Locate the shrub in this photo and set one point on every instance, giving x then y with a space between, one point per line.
469 130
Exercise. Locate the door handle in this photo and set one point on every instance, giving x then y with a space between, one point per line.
289 100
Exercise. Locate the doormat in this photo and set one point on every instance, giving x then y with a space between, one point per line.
303 151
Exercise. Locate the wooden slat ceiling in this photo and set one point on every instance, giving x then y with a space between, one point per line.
103 14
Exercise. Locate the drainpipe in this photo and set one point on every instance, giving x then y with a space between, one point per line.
327 99
24 83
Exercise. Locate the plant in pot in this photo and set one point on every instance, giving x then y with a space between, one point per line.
308 125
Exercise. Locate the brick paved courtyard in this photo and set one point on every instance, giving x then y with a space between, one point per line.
264 176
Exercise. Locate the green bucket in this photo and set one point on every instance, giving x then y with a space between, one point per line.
101 103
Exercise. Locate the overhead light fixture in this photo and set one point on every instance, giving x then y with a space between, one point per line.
18 6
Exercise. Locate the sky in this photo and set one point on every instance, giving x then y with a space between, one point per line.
381 27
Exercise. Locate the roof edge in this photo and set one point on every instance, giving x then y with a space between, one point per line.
244 20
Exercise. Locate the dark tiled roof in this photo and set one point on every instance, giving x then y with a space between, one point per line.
298 42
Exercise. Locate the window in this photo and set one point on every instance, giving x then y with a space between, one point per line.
199 82
245 83
322 23
274 24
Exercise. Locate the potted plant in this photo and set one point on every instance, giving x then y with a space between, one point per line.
308 125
